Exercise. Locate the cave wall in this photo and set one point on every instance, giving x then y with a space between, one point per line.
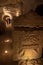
27 38
22 37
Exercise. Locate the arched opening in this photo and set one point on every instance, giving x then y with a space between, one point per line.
39 10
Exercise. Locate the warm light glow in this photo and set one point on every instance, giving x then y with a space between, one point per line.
30 54
6 51
7 40
6 12
18 13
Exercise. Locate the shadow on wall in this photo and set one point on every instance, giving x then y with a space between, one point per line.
39 10
9 63
42 52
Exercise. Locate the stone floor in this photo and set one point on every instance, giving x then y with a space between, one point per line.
31 62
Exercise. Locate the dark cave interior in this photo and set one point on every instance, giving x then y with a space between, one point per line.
39 10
